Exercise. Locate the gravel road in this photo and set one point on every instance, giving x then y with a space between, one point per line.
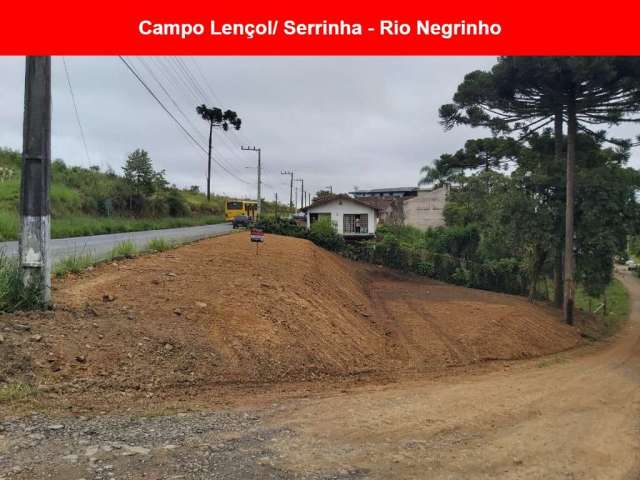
220 445
101 245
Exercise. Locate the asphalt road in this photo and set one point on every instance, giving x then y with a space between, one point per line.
101 245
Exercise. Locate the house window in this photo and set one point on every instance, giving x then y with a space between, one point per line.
356 223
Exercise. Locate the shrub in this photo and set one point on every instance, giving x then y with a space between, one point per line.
153 206
75 263
160 244
389 252
282 226
424 268
324 235
13 294
124 249
360 250
177 205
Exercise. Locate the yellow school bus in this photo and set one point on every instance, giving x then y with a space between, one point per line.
233 208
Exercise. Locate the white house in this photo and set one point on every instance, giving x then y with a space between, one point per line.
349 216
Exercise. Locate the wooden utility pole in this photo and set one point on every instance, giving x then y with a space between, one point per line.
569 283
254 149
301 180
35 232
290 173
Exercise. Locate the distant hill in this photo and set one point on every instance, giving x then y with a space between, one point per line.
79 194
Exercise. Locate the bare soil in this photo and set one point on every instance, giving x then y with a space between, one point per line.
434 381
215 313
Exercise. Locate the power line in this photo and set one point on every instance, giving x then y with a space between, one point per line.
75 108
173 117
176 76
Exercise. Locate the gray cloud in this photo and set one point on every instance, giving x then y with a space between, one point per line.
341 121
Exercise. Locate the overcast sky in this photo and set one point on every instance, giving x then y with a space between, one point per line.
370 122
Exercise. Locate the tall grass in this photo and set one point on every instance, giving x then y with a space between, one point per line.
124 249
618 305
8 225
13 294
75 263
12 392
160 245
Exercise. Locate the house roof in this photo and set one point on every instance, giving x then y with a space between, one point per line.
380 203
335 198
385 190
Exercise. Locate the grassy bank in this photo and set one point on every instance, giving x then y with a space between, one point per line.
617 306
84 225
617 301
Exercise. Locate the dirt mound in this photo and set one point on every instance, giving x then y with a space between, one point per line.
215 312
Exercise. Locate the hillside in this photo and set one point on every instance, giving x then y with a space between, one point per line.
88 201
215 313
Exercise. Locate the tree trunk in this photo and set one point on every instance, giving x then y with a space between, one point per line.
558 286
569 282
209 164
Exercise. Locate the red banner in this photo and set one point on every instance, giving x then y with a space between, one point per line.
143 27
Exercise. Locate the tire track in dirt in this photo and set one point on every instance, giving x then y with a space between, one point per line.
573 419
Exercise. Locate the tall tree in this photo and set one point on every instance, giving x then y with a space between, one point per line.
138 172
481 153
518 214
219 119
142 179
524 94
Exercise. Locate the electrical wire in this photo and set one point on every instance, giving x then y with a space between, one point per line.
75 108
173 117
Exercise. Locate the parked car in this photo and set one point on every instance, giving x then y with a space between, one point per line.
241 221
631 265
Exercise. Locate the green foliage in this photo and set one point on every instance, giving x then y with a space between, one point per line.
124 249
361 250
140 175
86 201
390 252
218 118
75 263
9 224
520 216
160 245
282 226
13 294
323 195
324 235
14 392
449 254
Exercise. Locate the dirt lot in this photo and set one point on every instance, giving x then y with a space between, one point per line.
214 313
301 365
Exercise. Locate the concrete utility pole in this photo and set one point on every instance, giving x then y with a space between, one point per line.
330 187
301 180
290 173
296 198
254 149
276 208
35 232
